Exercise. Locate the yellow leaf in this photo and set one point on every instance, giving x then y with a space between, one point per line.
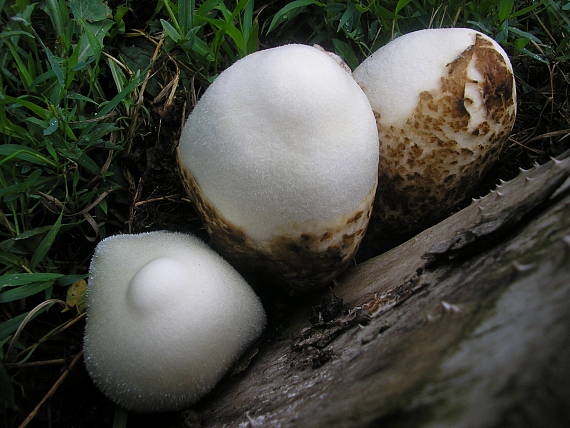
76 295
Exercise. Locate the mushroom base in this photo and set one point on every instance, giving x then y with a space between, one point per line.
297 263
407 206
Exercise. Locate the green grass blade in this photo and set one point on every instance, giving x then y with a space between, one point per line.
21 67
10 326
290 10
344 50
185 15
108 107
16 151
505 9
39 111
400 5
46 243
8 34
60 18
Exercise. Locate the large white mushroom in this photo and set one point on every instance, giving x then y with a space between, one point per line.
444 101
166 317
281 157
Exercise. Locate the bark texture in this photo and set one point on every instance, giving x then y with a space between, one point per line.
465 325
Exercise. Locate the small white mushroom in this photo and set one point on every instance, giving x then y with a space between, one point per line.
445 102
281 157
166 317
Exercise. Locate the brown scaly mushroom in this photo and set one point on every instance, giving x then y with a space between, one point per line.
445 102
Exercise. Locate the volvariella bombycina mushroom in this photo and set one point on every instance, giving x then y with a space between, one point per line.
166 318
445 102
280 156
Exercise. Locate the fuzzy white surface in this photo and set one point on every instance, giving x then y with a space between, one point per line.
394 76
167 316
281 139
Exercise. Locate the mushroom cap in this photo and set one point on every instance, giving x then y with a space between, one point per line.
282 144
444 101
166 317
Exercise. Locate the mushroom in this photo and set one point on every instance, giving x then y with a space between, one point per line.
281 158
166 317
445 102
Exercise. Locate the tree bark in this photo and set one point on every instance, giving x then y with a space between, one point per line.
465 325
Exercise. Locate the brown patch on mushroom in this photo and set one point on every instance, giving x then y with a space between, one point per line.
298 263
433 161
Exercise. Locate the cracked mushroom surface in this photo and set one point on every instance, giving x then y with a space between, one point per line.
280 156
444 102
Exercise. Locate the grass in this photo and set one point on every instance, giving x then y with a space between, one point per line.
92 98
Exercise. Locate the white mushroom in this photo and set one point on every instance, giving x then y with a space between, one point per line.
281 157
444 101
167 317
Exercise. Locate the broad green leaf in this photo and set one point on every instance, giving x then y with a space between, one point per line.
17 279
90 10
91 40
170 30
348 18
524 34
18 293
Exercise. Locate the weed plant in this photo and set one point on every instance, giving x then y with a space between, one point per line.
92 98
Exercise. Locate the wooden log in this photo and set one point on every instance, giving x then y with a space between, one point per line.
465 325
